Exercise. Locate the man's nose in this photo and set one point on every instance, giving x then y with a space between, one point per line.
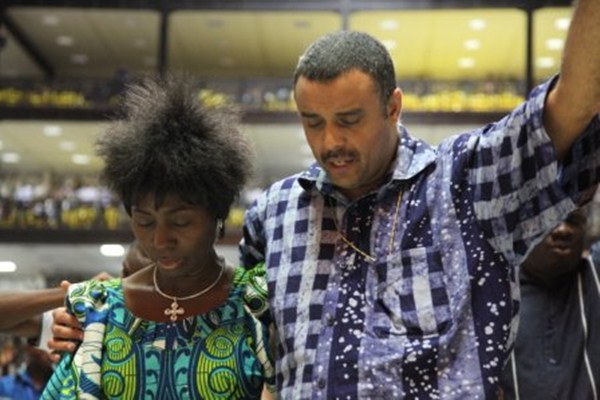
563 230
334 137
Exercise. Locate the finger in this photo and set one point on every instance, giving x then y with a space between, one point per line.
61 332
64 285
58 313
55 357
61 346
60 316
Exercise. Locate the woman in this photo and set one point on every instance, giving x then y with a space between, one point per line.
185 326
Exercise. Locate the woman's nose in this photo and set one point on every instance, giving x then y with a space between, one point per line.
162 237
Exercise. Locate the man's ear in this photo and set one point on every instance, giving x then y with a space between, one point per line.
394 105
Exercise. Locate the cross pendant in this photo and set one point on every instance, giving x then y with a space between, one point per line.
174 310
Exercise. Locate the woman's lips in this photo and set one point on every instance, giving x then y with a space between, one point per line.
169 263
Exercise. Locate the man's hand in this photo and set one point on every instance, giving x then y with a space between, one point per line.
66 332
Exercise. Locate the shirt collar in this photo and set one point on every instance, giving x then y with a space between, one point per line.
412 157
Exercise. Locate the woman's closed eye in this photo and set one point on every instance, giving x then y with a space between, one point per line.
143 222
181 222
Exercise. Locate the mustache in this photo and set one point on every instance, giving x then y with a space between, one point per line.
338 153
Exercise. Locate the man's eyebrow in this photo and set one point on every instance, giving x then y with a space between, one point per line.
350 113
305 114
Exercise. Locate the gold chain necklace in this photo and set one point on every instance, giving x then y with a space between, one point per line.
367 256
175 310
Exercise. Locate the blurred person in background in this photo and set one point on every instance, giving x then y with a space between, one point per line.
8 354
28 382
557 350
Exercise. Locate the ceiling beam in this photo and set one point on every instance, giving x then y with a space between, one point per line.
27 45
289 4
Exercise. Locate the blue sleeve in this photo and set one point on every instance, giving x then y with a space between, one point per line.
252 246
509 171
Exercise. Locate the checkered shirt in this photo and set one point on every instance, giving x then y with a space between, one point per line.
434 316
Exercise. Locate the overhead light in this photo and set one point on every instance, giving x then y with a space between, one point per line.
11 158
545 62
389 25
477 24
67 145
112 250
562 24
554 44
65 41
389 44
50 20
79 58
7 266
80 159
466 63
472 44
52 130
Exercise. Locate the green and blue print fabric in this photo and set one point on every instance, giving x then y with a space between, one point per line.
222 354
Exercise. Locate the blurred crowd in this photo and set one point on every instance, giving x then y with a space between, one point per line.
272 95
42 201
47 201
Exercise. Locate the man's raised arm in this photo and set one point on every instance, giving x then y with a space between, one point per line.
575 99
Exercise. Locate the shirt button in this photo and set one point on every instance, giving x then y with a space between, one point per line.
321 383
552 361
329 320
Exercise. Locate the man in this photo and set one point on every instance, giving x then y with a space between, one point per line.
390 264
556 353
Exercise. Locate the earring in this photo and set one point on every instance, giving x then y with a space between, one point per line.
220 228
